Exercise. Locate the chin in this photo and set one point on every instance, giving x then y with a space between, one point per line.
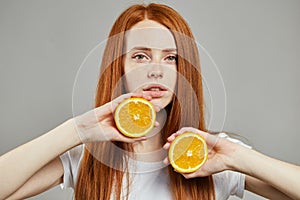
161 102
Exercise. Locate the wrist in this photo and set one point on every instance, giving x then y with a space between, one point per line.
71 132
243 160
237 157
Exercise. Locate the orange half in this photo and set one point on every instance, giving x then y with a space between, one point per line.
188 152
135 117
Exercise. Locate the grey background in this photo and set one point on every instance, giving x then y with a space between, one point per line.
255 45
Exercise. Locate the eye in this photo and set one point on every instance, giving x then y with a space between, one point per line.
171 58
140 58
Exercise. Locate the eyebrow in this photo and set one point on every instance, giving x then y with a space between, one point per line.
141 48
170 50
149 49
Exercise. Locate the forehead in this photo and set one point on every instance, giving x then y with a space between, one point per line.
149 34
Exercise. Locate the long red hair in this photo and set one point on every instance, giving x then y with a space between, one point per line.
95 179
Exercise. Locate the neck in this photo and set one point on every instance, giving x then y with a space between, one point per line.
152 147
153 143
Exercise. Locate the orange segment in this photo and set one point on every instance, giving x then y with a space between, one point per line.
135 117
188 152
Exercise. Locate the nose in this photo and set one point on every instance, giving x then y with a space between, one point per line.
155 72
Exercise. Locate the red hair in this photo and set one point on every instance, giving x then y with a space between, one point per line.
95 179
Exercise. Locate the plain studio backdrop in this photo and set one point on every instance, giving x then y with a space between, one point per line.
254 44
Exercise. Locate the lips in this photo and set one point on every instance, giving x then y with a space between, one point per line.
155 90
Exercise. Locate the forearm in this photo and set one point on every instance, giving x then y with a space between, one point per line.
18 165
263 189
47 177
281 175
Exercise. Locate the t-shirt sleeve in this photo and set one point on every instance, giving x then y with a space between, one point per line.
71 161
235 180
236 183
229 183
224 135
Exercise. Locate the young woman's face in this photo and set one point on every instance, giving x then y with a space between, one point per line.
150 61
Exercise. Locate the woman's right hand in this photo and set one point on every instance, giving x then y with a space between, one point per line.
98 124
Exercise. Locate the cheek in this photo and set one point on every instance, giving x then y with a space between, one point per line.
171 77
128 83
133 80
128 77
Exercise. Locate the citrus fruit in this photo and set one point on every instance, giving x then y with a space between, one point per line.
188 152
135 117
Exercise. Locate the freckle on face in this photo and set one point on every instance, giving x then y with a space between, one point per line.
150 39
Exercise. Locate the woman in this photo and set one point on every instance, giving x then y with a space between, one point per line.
178 52
46 164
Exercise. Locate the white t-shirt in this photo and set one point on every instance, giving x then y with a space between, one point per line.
153 181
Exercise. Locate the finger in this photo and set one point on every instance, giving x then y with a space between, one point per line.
136 95
166 146
209 138
132 140
147 97
111 106
115 102
172 137
118 136
130 95
121 98
140 138
194 130
166 161
157 109
189 175
187 129
156 124
103 110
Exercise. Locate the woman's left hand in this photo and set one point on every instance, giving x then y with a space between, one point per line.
220 153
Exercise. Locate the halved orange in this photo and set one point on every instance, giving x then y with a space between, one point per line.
135 117
188 152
